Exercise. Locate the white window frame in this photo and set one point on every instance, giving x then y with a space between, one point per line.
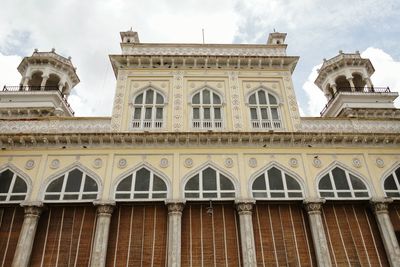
10 194
393 173
207 124
150 192
218 190
260 123
148 124
350 190
80 193
269 191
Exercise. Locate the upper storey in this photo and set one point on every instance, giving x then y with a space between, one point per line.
204 87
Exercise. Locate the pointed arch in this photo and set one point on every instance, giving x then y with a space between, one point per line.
264 109
265 88
275 181
153 184
337 181
15 185
391 181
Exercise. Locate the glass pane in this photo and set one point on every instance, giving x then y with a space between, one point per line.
158 184
71 197
253 112
397 172
264 114
3 198
275 194
193 183
196 99
357 183
227 195
361 194
159 195
392 194
260 194
21 197
274 113
159 113
275 179
209 179
325 183
142 182
89 196
139 99
259 183
52 197
192 195
216 99
19 186
122 196
272 99
90 185
210 195
295 194
225 183
141 196
389 183
261 97
217 113
125 184
5 181
252 99
137 113
147 114
56 185
327 194
339 177
291 183
344 194
206 97
149 96
160 99
196 113
207 115
74 181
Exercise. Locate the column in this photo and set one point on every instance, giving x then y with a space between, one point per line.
27 235
369 84
244 209
352 87
175 209
44 80
380 208
334 89
313 208
99 249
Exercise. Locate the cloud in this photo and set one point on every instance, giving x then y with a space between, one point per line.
386 74
8 69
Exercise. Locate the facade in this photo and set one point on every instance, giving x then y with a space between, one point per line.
205 161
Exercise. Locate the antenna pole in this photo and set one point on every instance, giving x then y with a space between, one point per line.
203 34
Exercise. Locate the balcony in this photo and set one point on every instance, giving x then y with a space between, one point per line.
36 97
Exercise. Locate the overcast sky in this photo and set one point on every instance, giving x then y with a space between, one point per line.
88 31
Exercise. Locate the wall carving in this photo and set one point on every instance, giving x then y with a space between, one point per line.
235 100
177 101
30 164
380 163
116 117
188 163
55 164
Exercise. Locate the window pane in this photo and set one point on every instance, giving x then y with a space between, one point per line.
122 196
209 179
125 184
5 181
196 99
275 179
141 195
71 197
147 114
139 99
392 194
344 194
259 183
90 185
295 194
264 114
272 99
160 99
327 194
216 99
275 194
274 113
56 185
89 196
207 115
159 195
361 194
3 198
149 96
192 195
52 197
225 183
252 99
397 172
339 177
137 113
253 113
74 181
158 184
142 182
227 195
291 183
19 186
21 197
193 183
389 183
260 194
217 113
357 183
210 195
159 113
206 97
261 97
196 113
325 183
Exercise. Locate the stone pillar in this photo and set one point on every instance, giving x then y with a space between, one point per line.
369 84
44 80
23 250
334 89
244 209
380 208
175 209
313 208
99 249
352 87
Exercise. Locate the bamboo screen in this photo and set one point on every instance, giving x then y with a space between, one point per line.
282 235
210 239
138 235
352 235
64 236
11 219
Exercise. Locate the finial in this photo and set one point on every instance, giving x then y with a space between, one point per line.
53 50
274 30
357 52
324 59
36 50
340 51
131 28
69 58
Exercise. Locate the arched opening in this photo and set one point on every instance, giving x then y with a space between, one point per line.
358 82
342 84
329 91
264 110
148 110
207 110
52 82
35 81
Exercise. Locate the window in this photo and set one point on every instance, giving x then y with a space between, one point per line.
391 184
206 110
140 185
264 111
74 185
148 110
276 184
12 187
209 184
339 183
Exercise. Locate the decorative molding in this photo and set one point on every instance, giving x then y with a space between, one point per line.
164 163
228 162
97 163
55 164
317 163
122 163
30 164
380 163
253 162
245 206
177 100
313 206
293 162
380 205
356 162
104 208
235 100
175 207
188 163
33 209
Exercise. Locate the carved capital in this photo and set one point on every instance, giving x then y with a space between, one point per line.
104 208
245 206
175 207
313 206
32 209
380 205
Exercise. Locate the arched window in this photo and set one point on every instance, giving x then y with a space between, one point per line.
264 110
276 184
12 187
72 186
209 184
140 185
148 110
206 110
339 183
392 184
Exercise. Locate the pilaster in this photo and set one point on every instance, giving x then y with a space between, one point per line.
245 210
175 208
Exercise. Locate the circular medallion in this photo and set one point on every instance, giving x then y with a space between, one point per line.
357 163
55 163
122 163
188 163
253 162
164 163
293 162
97 163
30 164
229 162
317 163
380 163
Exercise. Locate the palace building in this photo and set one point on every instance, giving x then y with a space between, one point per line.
205 161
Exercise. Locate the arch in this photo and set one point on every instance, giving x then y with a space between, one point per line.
152 194
64 175
214 90
15 197
288 194
358 81
53 81
264 111
148 109
218 193
343 85
155 88
390 182
265 88
35 80
206 109
345 183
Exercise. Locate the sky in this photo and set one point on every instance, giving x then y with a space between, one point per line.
88 31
